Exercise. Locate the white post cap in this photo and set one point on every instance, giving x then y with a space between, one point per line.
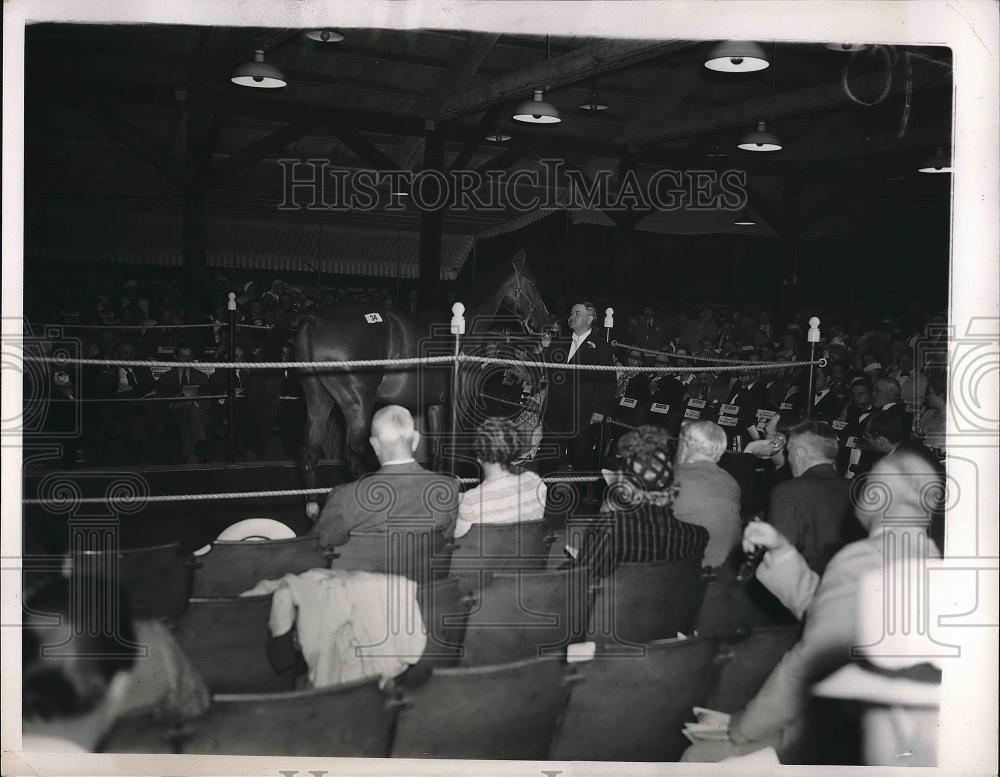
458 319
813 335
609 318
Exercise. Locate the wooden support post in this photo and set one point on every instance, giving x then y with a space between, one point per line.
431 221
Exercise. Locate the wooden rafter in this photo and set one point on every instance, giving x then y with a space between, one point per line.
583 63
477 47
814 99
240 161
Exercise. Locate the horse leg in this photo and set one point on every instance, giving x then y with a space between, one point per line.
319 407
435 426
355 394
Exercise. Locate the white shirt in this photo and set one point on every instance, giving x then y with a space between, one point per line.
123 384
577 342
819 396
397 461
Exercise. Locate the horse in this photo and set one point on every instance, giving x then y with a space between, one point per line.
354 331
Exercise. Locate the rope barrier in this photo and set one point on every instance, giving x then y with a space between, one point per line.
412 361
136 326
205 497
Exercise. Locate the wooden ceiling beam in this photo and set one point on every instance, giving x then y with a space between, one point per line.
800 102
489 121
477 47
236 163
365 150
583 63
661 103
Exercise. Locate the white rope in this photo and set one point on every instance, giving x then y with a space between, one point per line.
135 326
362 363
412 361
203 497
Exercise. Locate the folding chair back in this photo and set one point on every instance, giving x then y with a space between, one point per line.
445 612
647 601
227 639
352 720
746 661
491 547
520 615
408 548
509 711
230 568
156 579
632 708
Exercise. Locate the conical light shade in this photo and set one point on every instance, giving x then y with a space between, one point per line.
760 140
537 111
939 163
744 220
498 137
258 74
847 46
326 35
737 57
593 104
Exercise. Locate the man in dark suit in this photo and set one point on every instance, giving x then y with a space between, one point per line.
576 397
828 401
750 395
813 509
886 397
189 415
400 489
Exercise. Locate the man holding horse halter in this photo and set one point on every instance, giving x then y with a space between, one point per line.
576 396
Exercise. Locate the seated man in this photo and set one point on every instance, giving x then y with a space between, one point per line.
813 508
399 489
708 495
774 717
642 526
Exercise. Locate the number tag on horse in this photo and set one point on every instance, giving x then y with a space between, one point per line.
730 409
627 402
839 425
785 406
726 420
767 415
659 407
698 403
852 442
694 415
373 318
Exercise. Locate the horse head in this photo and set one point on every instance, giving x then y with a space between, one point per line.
520 295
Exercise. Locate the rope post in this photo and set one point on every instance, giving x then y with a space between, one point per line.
457 329
609 323
813 337
231 382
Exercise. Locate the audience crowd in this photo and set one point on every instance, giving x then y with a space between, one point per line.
721 469
876 364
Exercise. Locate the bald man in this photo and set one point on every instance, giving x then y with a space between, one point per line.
899 485
400 489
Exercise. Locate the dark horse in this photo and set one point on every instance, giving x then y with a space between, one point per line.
354 331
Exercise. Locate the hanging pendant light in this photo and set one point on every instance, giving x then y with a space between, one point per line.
258 74
325 35
847 47
498 137
737 57
744 219
593 104
760 139
537 111
939 163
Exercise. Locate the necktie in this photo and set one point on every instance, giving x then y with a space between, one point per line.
184 377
